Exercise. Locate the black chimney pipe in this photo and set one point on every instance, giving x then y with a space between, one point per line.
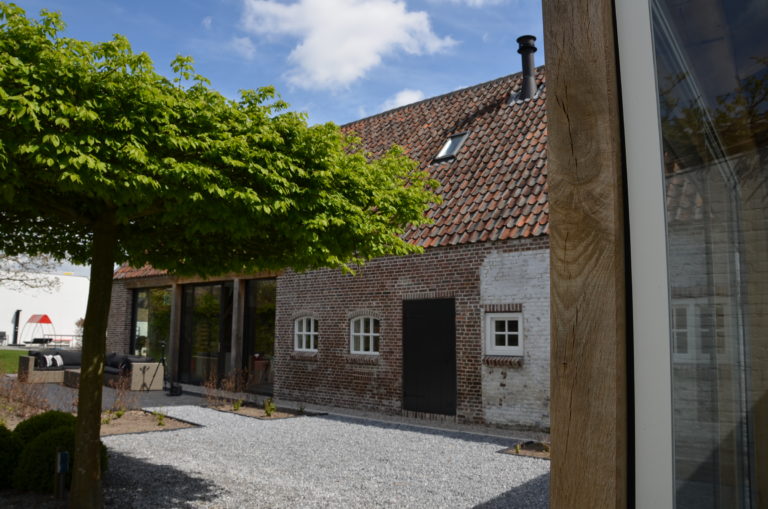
16 315
527 49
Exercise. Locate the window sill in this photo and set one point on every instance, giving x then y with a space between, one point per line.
503 361
303 356
363 359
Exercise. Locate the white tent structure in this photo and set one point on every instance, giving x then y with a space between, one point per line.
64 306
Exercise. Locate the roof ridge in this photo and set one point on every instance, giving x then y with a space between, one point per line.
434 98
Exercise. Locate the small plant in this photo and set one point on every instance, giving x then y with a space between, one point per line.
119 413
159 418
517 448
124 397
21 399
301 409
269 407
212 394
237 404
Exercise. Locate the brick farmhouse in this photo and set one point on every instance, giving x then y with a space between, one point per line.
459 332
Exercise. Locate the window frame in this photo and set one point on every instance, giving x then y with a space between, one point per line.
371 335
313 335
443 154
490 334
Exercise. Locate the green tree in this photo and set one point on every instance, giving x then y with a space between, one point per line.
104 161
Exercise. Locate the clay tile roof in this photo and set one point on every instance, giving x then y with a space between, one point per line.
126 272
496 186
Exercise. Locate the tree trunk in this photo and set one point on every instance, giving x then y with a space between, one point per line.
86 476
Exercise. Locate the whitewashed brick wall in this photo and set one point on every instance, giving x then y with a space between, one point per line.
519 395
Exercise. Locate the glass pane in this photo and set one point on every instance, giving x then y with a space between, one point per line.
501 340
314 342
300 325
376 326
206 333
711 61
376 343
152 325
367 325
357 323
512 325
499 325
355 343
512 340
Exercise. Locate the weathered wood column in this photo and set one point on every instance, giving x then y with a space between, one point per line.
588 288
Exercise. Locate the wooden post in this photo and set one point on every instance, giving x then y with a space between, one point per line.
588 288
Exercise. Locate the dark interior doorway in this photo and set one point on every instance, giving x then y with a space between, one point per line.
429 356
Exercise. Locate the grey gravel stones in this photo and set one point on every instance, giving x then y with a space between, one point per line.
314 462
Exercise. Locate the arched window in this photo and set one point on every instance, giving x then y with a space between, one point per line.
364 335
305 332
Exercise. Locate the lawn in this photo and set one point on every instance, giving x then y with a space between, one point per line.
9 360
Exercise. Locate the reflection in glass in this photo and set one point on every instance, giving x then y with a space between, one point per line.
712 75
151 322
206 333
259 334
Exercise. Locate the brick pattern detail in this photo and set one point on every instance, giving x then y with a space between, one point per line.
502 308
119 324
501 361
337 378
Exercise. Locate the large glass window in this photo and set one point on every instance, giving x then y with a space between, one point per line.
259 334
206 333
151 322
712 74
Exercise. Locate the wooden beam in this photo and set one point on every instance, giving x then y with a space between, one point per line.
588 288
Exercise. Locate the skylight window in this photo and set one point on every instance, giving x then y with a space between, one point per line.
452 146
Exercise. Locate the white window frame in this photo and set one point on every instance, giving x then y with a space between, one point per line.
653 451
304 337
371 335
490 334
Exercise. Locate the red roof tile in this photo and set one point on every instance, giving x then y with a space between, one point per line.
126 272
504 155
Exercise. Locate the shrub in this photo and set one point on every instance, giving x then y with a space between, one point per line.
10 448
35 426
36 465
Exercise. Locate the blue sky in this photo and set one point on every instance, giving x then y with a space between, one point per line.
337 60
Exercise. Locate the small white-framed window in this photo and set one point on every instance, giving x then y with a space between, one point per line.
504 334
364 335
305 331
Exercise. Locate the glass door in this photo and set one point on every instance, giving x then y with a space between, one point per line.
259 334
695 84
206 333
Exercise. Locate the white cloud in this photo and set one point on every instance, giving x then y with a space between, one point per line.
406 96
243 46
207 22
341 40
471 3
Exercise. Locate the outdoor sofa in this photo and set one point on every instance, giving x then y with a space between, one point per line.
142 373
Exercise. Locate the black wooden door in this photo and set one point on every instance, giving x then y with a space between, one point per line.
429 356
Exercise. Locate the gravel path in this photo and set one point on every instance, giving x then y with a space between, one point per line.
311 462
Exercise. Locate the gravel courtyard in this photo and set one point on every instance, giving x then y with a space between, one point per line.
309 462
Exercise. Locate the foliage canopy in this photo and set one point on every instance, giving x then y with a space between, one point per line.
191 181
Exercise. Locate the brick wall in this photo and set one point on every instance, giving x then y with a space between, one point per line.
518 392
119 324
332 376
